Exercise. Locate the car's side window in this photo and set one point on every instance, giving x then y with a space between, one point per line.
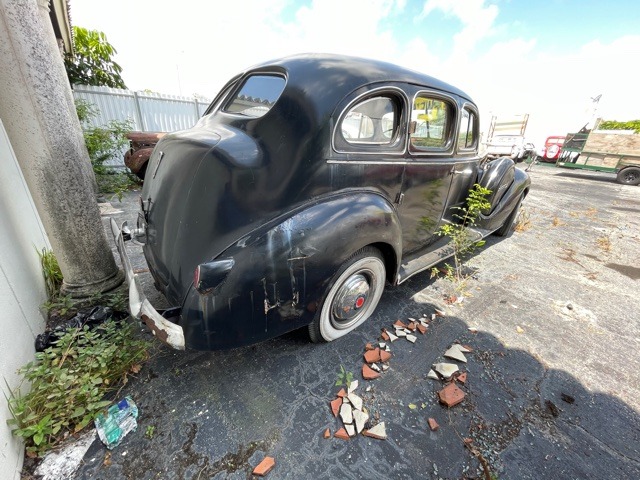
467 135
256 96
373 121
431 123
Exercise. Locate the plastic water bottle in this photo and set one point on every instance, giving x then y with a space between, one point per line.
118 422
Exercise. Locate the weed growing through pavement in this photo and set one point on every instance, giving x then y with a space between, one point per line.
604 243
149 432
344 377
523 222
51 272
461 238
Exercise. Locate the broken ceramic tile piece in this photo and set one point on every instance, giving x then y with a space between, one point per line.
412 338
385 356
341 434
264 467
433 316
335 406
351 430
462 378
412 319
375 367
368 389
473 329
356 401
360 418
385 335
342 393
439 312
382 345
463 348
451 395
433 375
379 432
401 333
399 324
387 349
455 354
422 329
392 337
346 413
433 425
385 368
372 355
368 373
424 315
368 347
326 434
353 385
445 369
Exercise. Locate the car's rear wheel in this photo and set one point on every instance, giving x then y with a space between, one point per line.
505 229
352 296
629 176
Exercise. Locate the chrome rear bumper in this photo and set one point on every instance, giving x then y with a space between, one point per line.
139 306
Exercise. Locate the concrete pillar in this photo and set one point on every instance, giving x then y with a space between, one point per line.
37 109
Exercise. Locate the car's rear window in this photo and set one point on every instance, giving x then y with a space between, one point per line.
256 96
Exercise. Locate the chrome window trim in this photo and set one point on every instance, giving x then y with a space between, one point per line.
400 144
476 141
451 143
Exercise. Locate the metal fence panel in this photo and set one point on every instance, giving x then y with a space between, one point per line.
147 112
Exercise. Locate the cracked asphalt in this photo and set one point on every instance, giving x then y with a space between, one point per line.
553 388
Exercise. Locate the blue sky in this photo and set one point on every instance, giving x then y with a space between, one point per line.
545 58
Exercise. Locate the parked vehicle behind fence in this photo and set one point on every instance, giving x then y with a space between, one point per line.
309 183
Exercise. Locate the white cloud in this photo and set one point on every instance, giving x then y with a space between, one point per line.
204 44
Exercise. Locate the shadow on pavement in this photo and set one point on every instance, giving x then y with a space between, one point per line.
217 414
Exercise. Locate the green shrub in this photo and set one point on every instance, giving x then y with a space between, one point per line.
69 381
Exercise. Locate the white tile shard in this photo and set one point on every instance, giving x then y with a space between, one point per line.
446 369
433 375
351 430
456 354
401 333
353 386
412 338
346 413
392 337
360 418
375 367
379 431
355 400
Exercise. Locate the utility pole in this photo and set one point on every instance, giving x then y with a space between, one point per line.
38 112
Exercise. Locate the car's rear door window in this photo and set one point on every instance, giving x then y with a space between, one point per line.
256 96
431 119
373 121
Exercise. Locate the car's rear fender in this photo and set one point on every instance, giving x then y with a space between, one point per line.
274 278
507 184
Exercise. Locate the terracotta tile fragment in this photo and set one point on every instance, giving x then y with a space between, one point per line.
335 406
342 393
341 434
422 329
264 466
468 441
368 373
433 425
372 356
462 378
469 349
451 395
400 324
412 326
384 356
385 335
326 434
368 347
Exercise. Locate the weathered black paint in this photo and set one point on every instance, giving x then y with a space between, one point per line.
288 204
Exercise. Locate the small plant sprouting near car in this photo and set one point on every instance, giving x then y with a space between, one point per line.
344 378
149 432
69 381
523 222
461 239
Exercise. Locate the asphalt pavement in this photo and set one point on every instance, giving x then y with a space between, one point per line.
553 382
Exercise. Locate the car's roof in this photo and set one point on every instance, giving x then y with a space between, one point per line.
347 73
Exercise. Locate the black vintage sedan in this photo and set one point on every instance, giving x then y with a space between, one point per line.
310 183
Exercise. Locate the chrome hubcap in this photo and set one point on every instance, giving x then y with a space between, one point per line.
350 299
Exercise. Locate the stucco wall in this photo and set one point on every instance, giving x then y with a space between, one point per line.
22 291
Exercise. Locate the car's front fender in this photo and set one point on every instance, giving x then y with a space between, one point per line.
281 270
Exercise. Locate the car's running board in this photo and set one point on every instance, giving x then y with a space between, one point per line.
444 249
